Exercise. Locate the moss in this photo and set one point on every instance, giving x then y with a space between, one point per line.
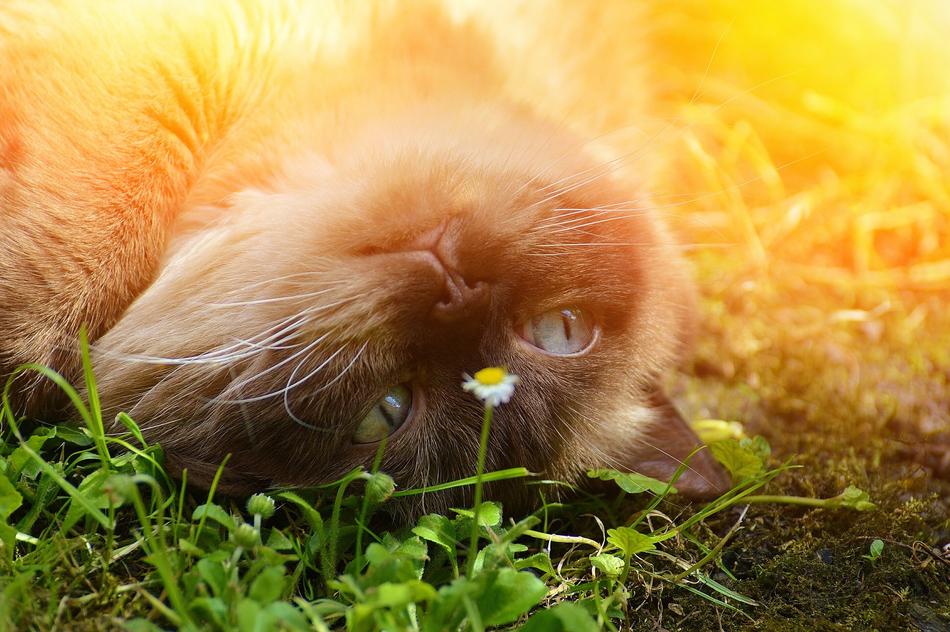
862 399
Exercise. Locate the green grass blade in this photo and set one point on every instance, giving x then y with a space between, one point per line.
499 475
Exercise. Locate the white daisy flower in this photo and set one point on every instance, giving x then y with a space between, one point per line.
492 385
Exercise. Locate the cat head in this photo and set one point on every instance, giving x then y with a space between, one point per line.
340 300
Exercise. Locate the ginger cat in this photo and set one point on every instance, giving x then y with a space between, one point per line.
291 227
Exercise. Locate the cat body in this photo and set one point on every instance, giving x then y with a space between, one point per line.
285 224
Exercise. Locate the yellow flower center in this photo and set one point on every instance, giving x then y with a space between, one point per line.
491 376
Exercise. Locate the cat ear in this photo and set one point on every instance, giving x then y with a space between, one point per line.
664 443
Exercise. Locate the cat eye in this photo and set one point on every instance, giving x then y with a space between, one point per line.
563 331
386 416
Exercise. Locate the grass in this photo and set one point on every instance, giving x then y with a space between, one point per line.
96 538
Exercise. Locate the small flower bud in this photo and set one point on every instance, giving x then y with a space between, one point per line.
379 487
260 505
245 536
118 489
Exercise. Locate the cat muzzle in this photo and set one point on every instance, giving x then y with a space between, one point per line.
461 297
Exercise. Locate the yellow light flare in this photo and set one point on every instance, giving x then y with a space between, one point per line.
816 131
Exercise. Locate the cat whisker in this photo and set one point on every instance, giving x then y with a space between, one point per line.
277 346
602 456
295 275
599 244
237 386
580 215
540 174
603 171
290 386
573 151
688 198
238 351
604 168
276 340
566 179
291 383
562 227
210 358
150 428
276 299
632 244
606 207
345 370
224 355
679 247
249 429
286 401
562 440
675 459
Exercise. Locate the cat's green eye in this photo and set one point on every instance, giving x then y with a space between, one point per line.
563 331
386 416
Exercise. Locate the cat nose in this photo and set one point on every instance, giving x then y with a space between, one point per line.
461 296
460 299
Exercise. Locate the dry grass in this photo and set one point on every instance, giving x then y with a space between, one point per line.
815 136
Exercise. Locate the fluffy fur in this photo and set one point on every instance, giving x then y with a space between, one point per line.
229 195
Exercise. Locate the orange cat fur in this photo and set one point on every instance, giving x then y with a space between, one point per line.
272 216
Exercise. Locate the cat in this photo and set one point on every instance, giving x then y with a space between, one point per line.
291 227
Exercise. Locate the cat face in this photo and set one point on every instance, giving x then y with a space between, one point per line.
341 302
